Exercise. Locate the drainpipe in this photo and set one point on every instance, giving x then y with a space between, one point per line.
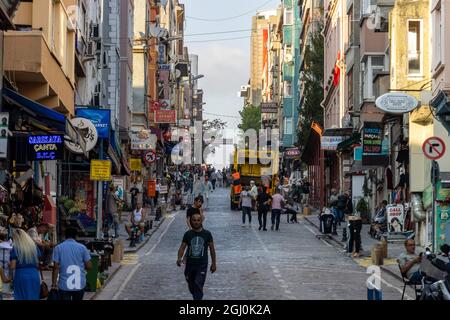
417 207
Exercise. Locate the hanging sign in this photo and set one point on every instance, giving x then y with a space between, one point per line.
151 188
150 157
433 148
166 116
46 147
396 102
135 164
395 218
100 170
87 131
372 138
4 116
143 140
99 117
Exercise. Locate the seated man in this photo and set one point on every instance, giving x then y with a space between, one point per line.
137 219
410 262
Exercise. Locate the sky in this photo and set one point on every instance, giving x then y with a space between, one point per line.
224 63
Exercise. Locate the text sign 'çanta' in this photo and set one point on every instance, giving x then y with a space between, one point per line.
46 147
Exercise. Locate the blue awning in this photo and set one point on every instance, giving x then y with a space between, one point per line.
49 117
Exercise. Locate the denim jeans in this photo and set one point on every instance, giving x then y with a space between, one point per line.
196 276
246 211
339 215
262 218
71 295
276 217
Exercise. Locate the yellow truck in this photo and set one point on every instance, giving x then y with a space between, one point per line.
259 166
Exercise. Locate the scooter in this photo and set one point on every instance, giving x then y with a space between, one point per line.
436 278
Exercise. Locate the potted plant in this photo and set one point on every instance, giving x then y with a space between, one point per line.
363 209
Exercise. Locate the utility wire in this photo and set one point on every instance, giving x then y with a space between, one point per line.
221 115
230 18
215 40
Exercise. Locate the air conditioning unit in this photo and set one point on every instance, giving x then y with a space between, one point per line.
90 49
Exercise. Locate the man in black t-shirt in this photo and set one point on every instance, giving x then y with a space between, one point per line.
197 241
196 208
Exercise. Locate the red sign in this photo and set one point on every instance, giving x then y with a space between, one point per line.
433 148
292 153
151 188
165 116
155 105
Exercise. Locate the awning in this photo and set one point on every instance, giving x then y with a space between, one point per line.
125 170
43 114
349 143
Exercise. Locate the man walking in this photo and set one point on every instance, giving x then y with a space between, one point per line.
71 260
246 205
263 203
134 194
197 241
277 203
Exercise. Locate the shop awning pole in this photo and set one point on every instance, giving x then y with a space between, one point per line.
100 197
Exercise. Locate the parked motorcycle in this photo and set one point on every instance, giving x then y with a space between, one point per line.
436 275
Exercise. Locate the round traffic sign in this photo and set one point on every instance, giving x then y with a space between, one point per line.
433 148
150 156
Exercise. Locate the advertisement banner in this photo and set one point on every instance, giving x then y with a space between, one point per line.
372 138
119 183
101 170
292 153
4 116
151 188
395 218
99 117
135 164
166 116
46 147
269 107
331 142
143 140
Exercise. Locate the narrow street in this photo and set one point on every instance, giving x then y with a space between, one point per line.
289 264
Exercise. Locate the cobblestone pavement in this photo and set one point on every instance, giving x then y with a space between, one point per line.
289 264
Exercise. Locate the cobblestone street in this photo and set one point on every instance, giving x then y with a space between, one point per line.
289 264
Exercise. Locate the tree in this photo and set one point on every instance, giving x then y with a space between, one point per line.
250 118
313 82
213 129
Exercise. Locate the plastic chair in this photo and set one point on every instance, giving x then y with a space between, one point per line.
407 282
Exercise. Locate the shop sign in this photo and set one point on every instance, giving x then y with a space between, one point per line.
101 170
99 117
397 102
4 123
118 182
163 66
292 153
163 189
269 107
372 138
46 147
143 140
151 188
331 142
166 116
395 218
357 154
135 164
88 132
161 53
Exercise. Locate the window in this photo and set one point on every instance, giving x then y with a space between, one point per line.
437 37
350 26
414 47
370 67
288 16
367 7
287 89
287 125
350 89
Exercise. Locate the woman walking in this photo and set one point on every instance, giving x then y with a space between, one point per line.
25 257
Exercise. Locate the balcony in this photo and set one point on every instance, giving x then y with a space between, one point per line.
37 72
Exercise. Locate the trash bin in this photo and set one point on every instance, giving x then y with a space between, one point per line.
91 276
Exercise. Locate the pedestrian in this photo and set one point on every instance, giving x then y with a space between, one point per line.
213 179
219 179
340 207
5 253
24 266
195 209
195 244
112 214
306 191
253 193
263 203
71 261
134 193
137 219
277 204
246 205
37 233
206 189
332 203
354 241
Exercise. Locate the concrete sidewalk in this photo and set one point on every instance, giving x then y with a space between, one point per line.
367 242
